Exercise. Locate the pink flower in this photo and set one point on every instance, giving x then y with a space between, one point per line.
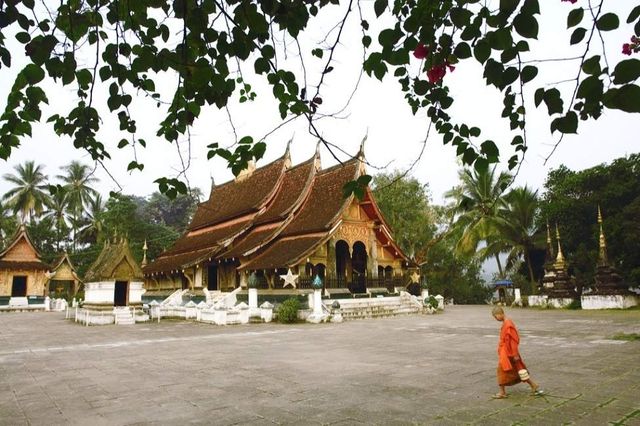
436 73
421 51
626 49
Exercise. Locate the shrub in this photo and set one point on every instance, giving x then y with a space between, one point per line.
431 302
288 310
576 304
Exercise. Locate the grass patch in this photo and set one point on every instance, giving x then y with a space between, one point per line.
629 337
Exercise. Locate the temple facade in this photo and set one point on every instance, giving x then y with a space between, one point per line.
280 220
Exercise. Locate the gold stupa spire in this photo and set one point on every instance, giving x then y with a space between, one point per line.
549 242
560 263
144 253
602 258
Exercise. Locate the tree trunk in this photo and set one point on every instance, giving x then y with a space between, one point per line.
527 258
500 273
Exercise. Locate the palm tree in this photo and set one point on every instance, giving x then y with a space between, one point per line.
518 228
57 213
93 225
76 181
479 201
28 197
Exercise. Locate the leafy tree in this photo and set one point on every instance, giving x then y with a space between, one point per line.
45 237
404 202
8 224
209 44
76 180
478 204
450 273
176 213
571 200
28 196
122 218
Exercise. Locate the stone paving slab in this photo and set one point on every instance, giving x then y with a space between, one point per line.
435 370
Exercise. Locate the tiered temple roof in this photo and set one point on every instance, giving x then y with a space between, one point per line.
22 254
115 262
271 217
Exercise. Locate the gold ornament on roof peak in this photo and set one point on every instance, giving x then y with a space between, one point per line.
560 263
603 259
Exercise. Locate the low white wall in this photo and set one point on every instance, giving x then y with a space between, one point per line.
609 302
99 292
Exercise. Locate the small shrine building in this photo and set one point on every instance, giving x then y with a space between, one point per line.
63 279
279 220
23 274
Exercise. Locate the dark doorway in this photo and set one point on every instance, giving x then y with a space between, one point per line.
19 286
342 258
120 293
359 265
212 277
319 270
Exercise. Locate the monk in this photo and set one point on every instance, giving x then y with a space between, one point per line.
511 368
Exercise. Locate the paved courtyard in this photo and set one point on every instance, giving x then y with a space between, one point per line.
408 370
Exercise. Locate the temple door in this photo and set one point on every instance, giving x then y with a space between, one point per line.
212 277
19 286
359 265
120 293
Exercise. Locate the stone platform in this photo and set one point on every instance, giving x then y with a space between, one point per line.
414 369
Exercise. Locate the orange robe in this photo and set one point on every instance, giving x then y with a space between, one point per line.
507 350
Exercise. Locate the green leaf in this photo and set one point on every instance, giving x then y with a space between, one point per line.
529 72
635 13
507 7
461 17
626 71
577 35
566 124
608 22
366 41
247 140
530 7
33 73
23 37
421 87
626 98
526 25
462 51
379 6
590 89
553 101
318 52
482 51
490 149
592 65
481 165
575 17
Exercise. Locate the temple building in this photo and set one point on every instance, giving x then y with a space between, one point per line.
23 274
113 287
609 290
63 279
558 287
281 220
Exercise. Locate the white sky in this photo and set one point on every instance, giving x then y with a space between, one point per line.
377 110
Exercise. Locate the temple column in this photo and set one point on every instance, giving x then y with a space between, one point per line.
331 257
372 259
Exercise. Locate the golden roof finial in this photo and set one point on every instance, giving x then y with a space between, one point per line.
144 253
602 257
560 263
549 242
